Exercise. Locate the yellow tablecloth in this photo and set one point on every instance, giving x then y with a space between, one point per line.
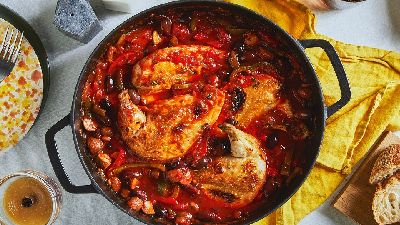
374 77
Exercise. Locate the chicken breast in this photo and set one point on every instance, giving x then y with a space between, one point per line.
235 179
168 128
176 65
259 99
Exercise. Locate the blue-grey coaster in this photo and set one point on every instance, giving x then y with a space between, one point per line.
76 19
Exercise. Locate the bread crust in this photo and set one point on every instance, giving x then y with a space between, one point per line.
386 202
387 164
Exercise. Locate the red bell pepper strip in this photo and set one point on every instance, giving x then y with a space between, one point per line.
122 60
172 202
181 206
121 158
166 200
140 37
200 150
181 31
216 37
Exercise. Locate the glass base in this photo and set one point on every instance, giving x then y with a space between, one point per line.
51 186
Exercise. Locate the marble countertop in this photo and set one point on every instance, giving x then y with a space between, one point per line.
373 23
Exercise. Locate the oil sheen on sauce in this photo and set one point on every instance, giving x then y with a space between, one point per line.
27 202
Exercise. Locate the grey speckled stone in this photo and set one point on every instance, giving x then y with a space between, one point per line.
76 19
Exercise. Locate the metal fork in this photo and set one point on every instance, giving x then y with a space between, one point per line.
9 51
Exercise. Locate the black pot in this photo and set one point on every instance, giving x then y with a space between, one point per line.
321 112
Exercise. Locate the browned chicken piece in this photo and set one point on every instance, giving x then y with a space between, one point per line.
130 118
259 99
176 65
169 127
235 180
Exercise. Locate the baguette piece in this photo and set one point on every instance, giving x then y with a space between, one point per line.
386 203
387 163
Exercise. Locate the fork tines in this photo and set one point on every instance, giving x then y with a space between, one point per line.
11 44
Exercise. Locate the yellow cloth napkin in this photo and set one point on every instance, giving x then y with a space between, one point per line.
374 77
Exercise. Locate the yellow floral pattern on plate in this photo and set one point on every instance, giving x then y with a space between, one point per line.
21 94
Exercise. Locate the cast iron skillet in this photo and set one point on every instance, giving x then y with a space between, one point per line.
321 112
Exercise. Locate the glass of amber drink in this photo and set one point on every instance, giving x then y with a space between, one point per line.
29 198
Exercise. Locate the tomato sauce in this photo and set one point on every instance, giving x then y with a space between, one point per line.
253 56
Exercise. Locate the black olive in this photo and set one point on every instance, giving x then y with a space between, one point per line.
238 98
202 163
186 17
240 47
192 189
171 165
231 121
166 25
109 83
135 97
175 165
219 146
104 120
178 128
224 75
97 133
105 104
198 109
111 113
218 168
272 140
160 211
163 176
128 175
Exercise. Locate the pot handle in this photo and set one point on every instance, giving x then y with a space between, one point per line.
55 160
339 70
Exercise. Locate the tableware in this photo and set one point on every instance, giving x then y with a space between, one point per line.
330 4
11 45
120 5
28 197
355 198
74 118
30 34
33 91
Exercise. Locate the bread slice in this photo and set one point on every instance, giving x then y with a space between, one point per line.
387 163
386 203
